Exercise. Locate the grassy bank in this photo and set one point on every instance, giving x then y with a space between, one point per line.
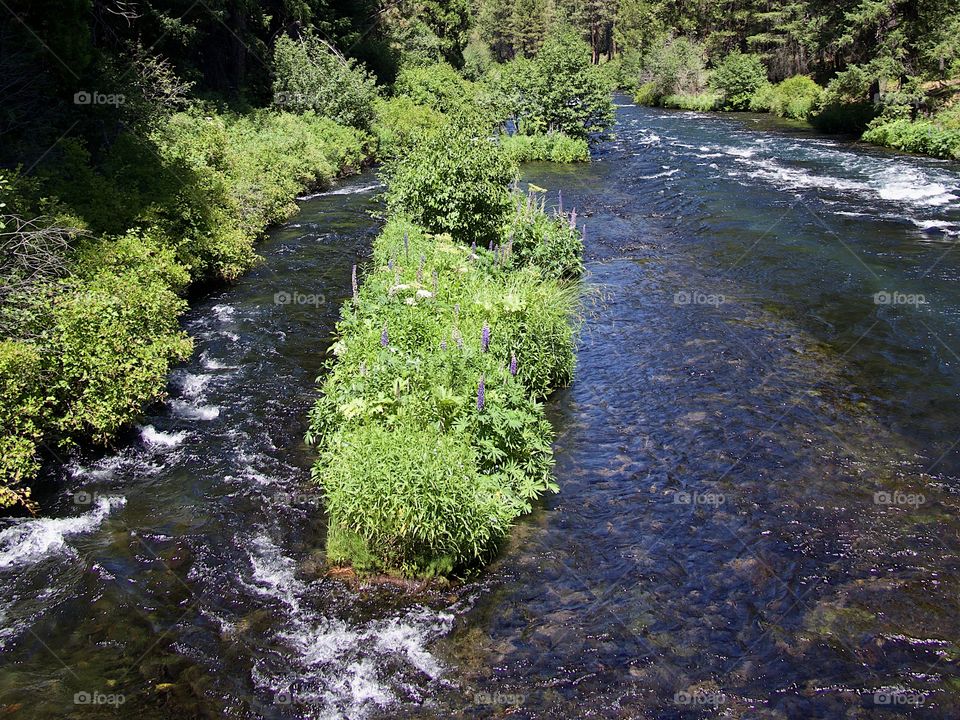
430 433
92 321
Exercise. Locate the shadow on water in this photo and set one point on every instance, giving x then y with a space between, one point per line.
758 465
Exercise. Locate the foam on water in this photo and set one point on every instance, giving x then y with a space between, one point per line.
343 191
337 669
28 541
191 411
158 439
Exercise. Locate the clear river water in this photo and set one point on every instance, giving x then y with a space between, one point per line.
759 465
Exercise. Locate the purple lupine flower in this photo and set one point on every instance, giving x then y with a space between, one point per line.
485 338
390 264
491 246
560 200
458 339
510 244
481 394
436 282
406 244
384 337
456 312
420 269
353 284
513 364
473 249
573 219
443 345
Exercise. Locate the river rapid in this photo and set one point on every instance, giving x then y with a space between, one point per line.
759 465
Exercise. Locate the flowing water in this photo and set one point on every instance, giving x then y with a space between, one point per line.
759 466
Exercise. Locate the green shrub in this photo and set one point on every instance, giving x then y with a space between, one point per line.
515 90
309 74
762 99
921 136
549 243
454 181
703 102
737 78
555 147
845 104
796 97
22 406
575 94
401 124
412 499
438 86
673 66
646 94
115 333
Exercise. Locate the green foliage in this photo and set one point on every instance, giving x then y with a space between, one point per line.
552 244
409 499
673 66
796 98
737 77
555 147
419 479
575 94
310 75
437 86
22 404
921 136
454 181
702 102
401 124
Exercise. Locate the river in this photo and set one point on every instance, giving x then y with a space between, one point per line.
759 465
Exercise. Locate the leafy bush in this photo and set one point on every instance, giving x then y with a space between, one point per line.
575 94
796 97
737 78
555 147
762 99
401 124
438 86
552 244
411 498
454 181
22 404
673 66
703 102
921 136
310 75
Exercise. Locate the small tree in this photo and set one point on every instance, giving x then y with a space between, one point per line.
737 78
310 74
454 181
575 93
